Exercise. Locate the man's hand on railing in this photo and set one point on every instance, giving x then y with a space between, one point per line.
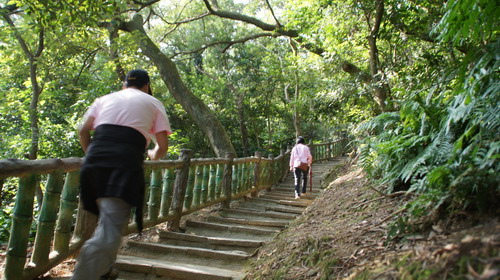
161 146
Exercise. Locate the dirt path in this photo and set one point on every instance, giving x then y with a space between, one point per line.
343 235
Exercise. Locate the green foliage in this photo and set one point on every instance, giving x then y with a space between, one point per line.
460 24
444 141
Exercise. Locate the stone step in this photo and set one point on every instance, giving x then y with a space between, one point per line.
294 210
154 248
246 213
274 224
289 202
267 207
173 270
236 232
215 243
291 188
273 202
288 196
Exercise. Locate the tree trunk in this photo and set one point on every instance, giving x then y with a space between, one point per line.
380 86
243 127
113 53
36 91
33 113
198 111
296 115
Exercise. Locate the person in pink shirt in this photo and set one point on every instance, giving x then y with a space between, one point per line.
112 175
300 162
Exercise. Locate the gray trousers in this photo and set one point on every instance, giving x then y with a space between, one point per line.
98 253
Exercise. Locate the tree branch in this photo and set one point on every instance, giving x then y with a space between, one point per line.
145 4
18 36
229 43
9 9
346 66
239 17
272 12
41 43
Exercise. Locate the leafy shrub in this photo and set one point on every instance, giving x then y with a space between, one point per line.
444 142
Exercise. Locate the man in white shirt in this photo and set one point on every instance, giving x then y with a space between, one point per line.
112 176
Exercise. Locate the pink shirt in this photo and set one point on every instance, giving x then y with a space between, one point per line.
300 153
133 108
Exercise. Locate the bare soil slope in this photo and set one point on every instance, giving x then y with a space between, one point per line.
343 235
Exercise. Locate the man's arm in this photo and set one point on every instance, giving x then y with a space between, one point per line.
161 147
84 133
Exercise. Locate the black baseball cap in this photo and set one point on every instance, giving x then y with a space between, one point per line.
137 78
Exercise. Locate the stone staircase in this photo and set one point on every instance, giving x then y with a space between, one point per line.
217 247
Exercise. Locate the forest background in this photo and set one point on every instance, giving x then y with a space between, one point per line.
414 83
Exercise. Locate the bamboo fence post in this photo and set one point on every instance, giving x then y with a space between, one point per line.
264 173
249 176
212 182
226 180
154 195
244 175
219 179
69 202
257 174
188 199
166 194
329 150
270 172
147 181
234 179
21 224
47 218
282 165
85 223
180 190
198 181
204 184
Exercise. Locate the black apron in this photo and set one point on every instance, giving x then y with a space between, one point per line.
113 167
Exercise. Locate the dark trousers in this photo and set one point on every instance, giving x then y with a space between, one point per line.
300 175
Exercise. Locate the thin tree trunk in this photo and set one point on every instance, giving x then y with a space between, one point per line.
33 112
243 126
36 90
113 53
380 86
296 115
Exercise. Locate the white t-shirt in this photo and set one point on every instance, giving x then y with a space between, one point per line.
133 108
300 153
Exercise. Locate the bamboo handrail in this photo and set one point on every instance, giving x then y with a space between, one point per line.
174 188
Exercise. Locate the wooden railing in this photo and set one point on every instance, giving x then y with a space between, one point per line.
174 188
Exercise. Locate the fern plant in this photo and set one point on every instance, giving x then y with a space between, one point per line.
444 142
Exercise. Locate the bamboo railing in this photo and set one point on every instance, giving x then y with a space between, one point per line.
174 188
